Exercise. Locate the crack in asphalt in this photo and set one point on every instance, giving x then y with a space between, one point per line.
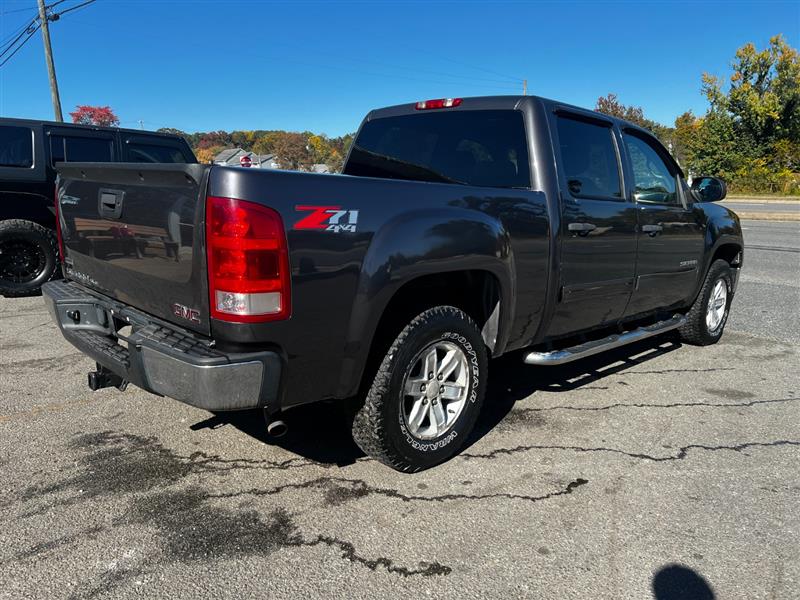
683 452
349 553
354 489
667 371
751 403
142 471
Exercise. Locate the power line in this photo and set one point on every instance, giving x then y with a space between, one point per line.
71 8
14 45
16 10
17 49
19 32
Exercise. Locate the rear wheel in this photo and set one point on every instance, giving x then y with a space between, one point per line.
706 320
427 393
28 257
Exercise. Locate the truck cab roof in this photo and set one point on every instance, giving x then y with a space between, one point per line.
517 102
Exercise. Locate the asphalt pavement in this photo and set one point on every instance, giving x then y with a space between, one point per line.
659 471
756 206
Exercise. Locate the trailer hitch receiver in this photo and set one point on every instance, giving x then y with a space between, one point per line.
103 378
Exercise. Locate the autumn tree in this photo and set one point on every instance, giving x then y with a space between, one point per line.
292 151
173 131
206 155
610 105
102 116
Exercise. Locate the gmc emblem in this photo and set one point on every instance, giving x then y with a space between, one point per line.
184 312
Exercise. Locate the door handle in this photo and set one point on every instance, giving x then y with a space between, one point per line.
581 229
652 230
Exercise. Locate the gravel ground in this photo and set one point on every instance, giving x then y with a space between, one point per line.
659 471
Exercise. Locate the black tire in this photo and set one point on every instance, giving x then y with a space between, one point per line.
380 427
28 257
696 329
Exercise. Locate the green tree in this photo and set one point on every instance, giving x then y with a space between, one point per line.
751 132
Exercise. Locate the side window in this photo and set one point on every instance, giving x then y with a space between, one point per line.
16 147
80 149
589 159
154 153
653 180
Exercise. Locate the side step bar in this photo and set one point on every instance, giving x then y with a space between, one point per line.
559 357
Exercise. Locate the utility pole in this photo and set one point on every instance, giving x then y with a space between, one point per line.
524 87
51 68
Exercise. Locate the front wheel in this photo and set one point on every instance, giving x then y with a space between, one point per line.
706 320
427 393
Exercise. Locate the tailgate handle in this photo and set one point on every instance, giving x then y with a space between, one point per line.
109 203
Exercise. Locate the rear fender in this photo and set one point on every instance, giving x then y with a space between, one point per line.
413 245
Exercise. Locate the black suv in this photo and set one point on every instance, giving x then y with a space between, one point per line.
29 151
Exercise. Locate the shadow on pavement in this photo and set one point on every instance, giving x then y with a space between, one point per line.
676 582
321 431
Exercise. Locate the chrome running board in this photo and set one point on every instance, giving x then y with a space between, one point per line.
559 357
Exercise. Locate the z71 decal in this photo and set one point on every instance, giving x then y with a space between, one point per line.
329 218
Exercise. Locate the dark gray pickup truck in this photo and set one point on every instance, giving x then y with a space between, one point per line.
461 230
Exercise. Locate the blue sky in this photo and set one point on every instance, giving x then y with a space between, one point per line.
320 66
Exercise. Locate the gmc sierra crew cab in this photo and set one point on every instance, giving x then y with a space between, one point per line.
460 230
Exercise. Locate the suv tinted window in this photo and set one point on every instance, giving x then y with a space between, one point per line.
80 149
16 147
476 147
155 153
589 159
653 180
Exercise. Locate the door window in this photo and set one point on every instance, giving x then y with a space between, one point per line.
16 147
80 149
589 159
653 180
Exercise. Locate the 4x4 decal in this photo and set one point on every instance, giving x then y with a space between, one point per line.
329 218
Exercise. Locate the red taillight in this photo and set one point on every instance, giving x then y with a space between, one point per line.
58 228
248 262
439 103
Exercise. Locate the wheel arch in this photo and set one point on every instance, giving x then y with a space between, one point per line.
454 256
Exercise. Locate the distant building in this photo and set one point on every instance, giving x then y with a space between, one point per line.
320 168
235 157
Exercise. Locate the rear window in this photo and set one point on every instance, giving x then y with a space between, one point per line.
477 147
589 159
16 147
155 153
80 149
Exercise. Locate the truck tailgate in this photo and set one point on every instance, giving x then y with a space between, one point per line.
135 233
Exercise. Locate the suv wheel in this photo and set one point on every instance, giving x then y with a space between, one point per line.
28 257
706 320
427 393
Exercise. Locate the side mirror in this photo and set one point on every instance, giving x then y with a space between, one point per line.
709 189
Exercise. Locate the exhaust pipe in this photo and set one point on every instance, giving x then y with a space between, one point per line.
277 428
